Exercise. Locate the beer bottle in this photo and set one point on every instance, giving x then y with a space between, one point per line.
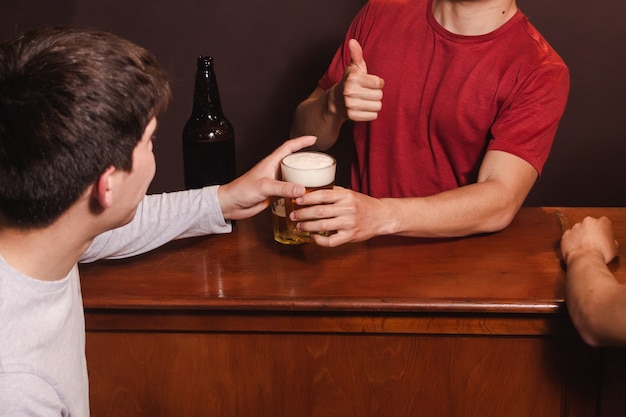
208 136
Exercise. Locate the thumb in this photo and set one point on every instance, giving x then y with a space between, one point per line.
356 55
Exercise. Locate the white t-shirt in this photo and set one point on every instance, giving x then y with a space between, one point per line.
43 370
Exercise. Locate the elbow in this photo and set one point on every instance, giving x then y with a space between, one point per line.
499 219
502 196
588 331
504 220
588 319
592 340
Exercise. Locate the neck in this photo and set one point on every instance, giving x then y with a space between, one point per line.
47 253
473 17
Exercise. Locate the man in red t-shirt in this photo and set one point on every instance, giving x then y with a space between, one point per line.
455 105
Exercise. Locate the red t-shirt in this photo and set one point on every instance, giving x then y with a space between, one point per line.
449 98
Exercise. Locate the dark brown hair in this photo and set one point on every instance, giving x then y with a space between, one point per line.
73 101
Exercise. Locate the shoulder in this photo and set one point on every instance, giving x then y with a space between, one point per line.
531 63
534 46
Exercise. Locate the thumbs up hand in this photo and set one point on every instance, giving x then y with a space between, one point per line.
358 96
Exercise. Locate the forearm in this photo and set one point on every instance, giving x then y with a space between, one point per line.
473 209
596 301
317 116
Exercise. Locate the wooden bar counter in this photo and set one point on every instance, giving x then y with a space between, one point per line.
237 325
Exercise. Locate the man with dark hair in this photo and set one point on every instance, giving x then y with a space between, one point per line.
78 111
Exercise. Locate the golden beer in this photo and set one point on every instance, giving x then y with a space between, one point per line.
313 170
279 222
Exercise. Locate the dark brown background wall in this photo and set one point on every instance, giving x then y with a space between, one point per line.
270 54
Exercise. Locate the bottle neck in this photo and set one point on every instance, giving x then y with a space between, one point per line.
206 98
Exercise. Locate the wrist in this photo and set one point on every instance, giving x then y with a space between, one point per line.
331 108
390 223
223 200
589 255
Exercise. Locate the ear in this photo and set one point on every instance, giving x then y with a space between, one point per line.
103 188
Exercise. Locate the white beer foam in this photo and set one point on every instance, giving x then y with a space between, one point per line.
309 169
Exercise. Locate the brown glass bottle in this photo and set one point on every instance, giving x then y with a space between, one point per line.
208 136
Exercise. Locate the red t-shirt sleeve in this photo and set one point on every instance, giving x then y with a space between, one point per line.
526 126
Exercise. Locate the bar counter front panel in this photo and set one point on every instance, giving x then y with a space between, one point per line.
237 325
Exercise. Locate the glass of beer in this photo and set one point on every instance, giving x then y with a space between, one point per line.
313 170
